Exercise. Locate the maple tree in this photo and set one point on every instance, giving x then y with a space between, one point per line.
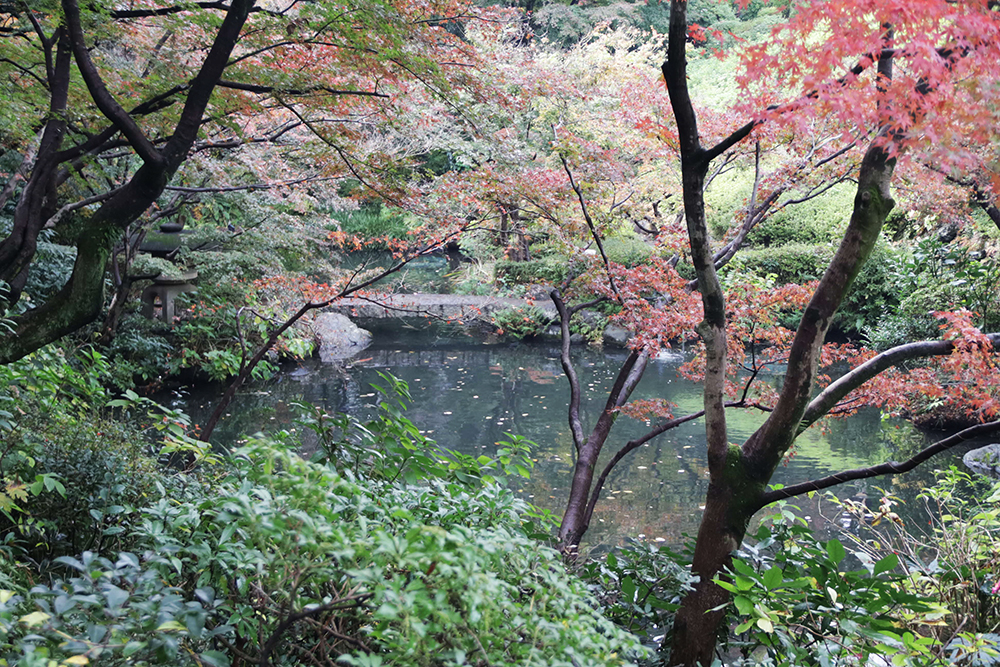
908 97
908 92
126 97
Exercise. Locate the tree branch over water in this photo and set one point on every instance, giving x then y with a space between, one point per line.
886 468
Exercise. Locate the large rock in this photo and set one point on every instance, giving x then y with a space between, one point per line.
338 337
985 460
616 335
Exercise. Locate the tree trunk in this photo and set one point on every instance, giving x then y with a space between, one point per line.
739 475
18 249
728 509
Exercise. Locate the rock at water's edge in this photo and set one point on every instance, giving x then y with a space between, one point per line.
985 460
338 337
616 335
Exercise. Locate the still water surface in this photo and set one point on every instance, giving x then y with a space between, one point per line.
468 394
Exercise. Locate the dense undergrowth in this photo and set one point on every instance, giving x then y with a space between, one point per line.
381 549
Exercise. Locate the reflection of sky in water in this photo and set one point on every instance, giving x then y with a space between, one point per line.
466 395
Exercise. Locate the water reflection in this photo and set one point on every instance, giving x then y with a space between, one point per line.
467 395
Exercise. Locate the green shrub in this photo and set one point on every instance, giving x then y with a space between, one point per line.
373 222
640 587
955 561
793 263
62 433
110 612
50 269
629 251
549 270
819 220
873 293
801 600
107 471
520 323
383 550
933 276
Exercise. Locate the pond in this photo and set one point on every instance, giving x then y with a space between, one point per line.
468 394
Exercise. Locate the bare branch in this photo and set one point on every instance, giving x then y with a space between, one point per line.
593 229
882 469
250 186
102 98
575 427
255 88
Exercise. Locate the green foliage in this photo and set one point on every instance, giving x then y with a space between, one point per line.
548 270
792 263
72 476
50 382
50 268
816 221
819 220
873 294
105 472
801 601
521 322
391 447
630 251
373 223
956 561
111 612
640 587
935 276
384 549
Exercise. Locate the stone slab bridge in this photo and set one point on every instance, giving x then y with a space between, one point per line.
452 307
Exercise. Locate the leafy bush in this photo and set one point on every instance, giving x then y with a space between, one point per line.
373 222
106 472
549 270
792 263
640 587
383 550
819 220
955 561
802 601
120 612
520 323
873 294
76 475
50 269
629 251
934 276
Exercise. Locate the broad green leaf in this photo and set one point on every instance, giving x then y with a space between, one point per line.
886 564
772 578
170 625
835 550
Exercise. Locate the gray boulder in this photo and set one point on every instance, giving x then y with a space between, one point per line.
984 460
338 337
616 335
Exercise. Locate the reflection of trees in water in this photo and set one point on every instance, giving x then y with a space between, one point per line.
490 390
